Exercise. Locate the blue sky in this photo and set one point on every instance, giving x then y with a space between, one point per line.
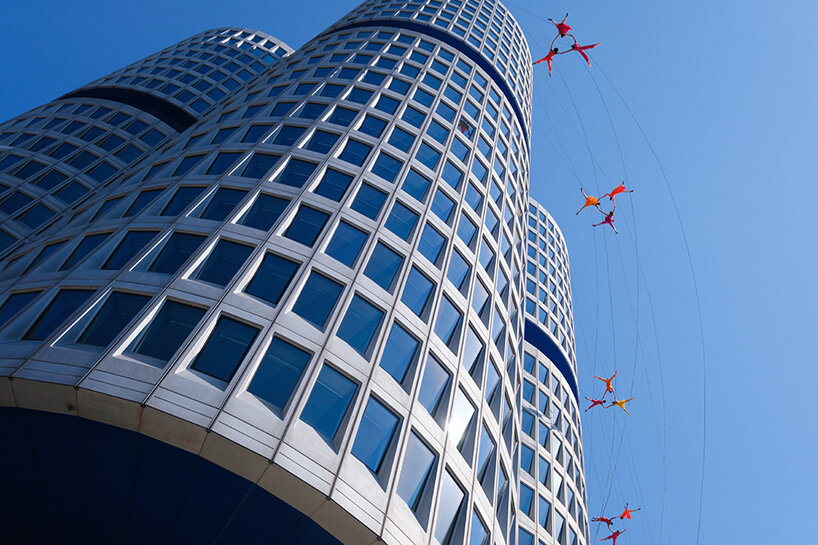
726 93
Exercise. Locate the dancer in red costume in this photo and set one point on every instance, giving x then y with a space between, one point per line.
614 536
605 520
627 513
595 402
581 50
616 191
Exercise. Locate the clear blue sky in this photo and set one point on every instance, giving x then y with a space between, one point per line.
726 93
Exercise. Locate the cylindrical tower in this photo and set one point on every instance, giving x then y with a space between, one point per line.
317 287
56 155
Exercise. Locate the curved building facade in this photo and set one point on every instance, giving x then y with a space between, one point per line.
318 287
55 156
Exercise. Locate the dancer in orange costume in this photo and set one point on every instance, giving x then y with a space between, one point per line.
621 405
581 50
608 381
590 200
548 58
614 536
616 191
595 402
605 520
626 514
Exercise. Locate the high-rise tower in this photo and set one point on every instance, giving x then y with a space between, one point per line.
311 300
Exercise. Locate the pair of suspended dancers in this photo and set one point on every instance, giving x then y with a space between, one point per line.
562 31
626 514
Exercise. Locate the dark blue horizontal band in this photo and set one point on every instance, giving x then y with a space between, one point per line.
458 44
535 335
174 116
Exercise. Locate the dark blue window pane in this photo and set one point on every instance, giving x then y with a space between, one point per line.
387 167
117 312
442 206
222 203
312 110
328 402
415 185
435 381
187 164
484 453
15 202
427 156
401 221
401 139
413 117
177 250
64 304
342 116
378 425
458 270
383 266
279 373
333 185
169 329
6 240
281 108
368 201
141 201
346 243
71 192
445 111
417 467
255 133
181 199
438 132
223 262
222 163
15 304
317 299
36 216
132 244
44 254
388 105
296 173
417 291
466 230
399 352
265 212
361 96
259 165
288 135
448 323
360 325
50 180
88 244
452 175
272 278
431 244
355 152
474 198
223 134
459 149
225 348
372 126
423 97
306 225
321 141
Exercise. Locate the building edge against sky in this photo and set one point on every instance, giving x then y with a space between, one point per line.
315 286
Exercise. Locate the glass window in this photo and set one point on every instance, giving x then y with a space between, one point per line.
459 269
265 212
413 116
141 202
117 312
346 243
452 175
418 462
259 165
132 244
462 414
479 534
255 133
222 162
187 164
225 348
168 330
466 230
272 278
222 203
399 352
15 303
360 325
544 512
427 156
401 221
524 537
484 454
438 132
415 185
306 225
368 201
71 192
88 244
44 254
329 402
386 104
401 139
375 433
451 500
417 291
333 185
223 262
35 216
321 141
362 96
317 299
288 135
431 243
384 264
387 167
448 323
312 110
63 305
372 126
435 381
296 173
176 252
181 199
342 116
442 206
278 373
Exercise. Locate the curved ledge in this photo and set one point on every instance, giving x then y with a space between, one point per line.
458 44
545 344
174 116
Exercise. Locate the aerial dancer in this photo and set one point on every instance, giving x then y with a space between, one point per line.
562 28
608 381
548 58
595 402
581 49
627 513
616 191
605 520
464 127
608 220
590 200
621 405
614 536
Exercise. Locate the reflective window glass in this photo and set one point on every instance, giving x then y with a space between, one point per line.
306 225
176 252
346 243
272 278
265 212
132 244
329 402
225 348
378 425
278 373
317 299
168 330
360 325
223 262
63 305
